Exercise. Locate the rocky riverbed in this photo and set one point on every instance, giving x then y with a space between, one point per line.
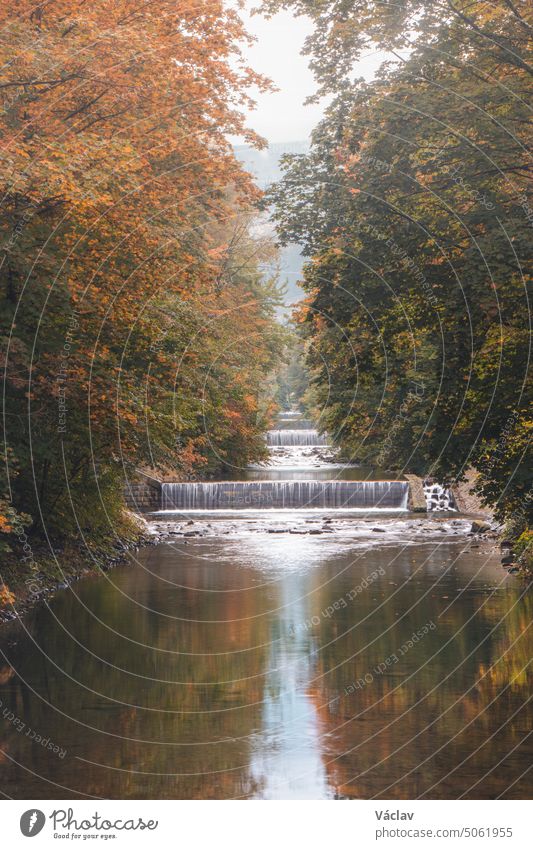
300 456
350 530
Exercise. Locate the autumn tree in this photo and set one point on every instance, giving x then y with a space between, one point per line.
121 321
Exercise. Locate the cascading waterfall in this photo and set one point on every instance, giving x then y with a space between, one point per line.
438 497
272 494
281 438
293 441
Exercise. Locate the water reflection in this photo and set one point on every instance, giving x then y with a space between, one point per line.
229 669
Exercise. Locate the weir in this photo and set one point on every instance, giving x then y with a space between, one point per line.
288 424
279 438
273 494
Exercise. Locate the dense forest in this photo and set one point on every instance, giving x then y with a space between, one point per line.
415 211
137 323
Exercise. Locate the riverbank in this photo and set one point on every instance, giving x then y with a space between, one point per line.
39 572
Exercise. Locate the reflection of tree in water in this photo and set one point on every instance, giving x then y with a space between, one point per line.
273 675
405 733
211 721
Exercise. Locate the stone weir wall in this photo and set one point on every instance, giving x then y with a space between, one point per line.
146 494
143 495
417 499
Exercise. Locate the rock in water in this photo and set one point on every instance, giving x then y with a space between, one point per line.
479 527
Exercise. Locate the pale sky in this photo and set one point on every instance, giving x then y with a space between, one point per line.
282 116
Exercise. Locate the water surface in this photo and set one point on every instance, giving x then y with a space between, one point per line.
258 665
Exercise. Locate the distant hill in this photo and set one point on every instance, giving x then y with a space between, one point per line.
264 165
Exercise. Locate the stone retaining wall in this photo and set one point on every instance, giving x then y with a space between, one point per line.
468 501
143 495
417 499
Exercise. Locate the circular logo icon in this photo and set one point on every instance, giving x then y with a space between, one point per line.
32 822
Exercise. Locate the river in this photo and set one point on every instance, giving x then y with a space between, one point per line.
277 654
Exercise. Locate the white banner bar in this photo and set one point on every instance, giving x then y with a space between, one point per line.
264 825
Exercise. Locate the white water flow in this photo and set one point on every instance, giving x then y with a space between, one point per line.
281 438
438 497
285 494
